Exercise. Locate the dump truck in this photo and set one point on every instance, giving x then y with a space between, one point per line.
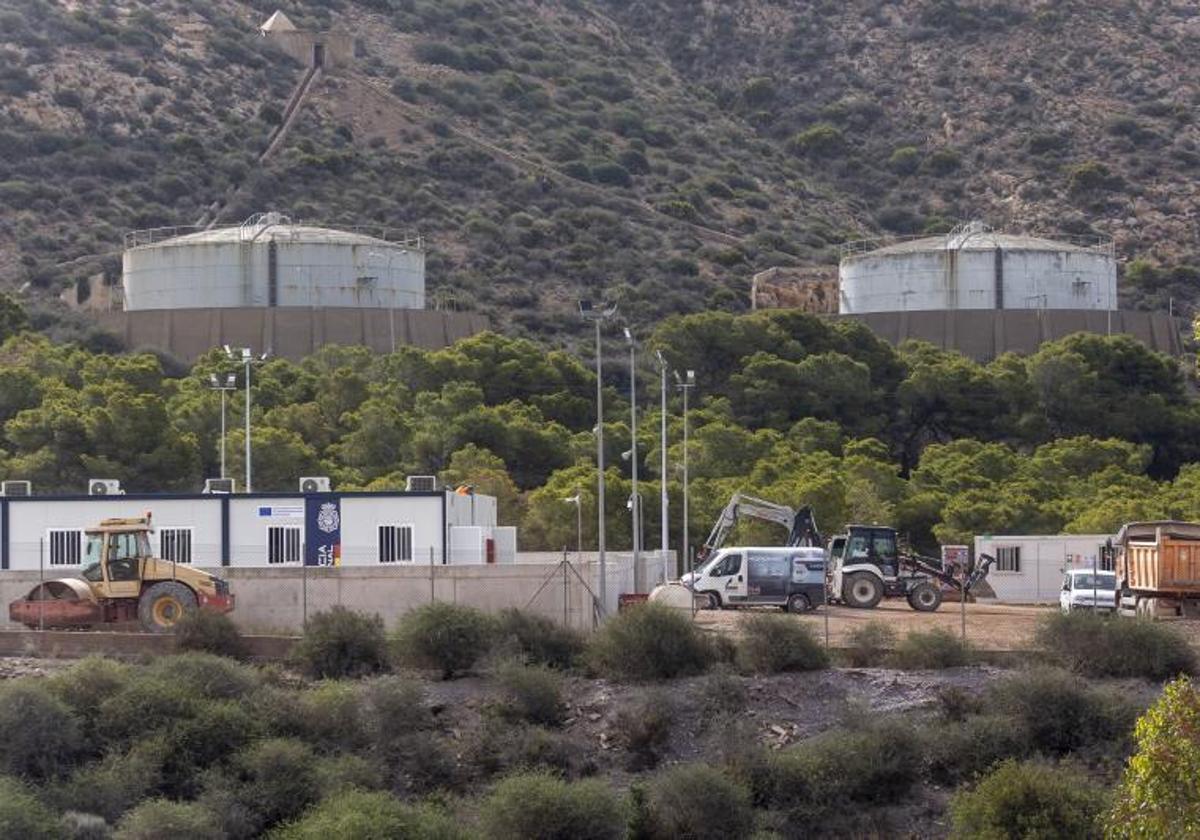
121 581
1158 567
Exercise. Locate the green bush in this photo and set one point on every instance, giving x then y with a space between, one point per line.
538 639
1103 646
277 779
210 632
116 783
204 675
1060 713
329 716
1029 799
340 773
530 693
649 642
875 765
145 705
698 802
391 709
820 141
216 729
156 819
1159 795
23 816
370 816
342 643
644 727
905 160
933 649
86 685
499 747
79 826
537 806
39 737
448 637
722 694
869 645
774 643
959 751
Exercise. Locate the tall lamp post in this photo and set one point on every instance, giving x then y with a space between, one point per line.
635 504
224 384
577 500
685 384
663 500
598 317
246 356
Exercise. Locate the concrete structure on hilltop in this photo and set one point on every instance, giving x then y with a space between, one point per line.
312 49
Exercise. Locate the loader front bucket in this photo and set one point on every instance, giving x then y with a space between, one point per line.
57 603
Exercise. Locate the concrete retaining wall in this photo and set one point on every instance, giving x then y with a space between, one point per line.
291 332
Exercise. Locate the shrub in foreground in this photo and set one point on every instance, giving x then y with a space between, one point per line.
649 642
22 815
1060 713
501 747
774 643
39 737
645 728
211 632
530 693
538 639
958 751
698 802
934 649
85 685
537 806
869 645
1110 646
342 643
370 816
276 778
1159 795
116 783
448 637
1029 799
155 819
870 765
205 675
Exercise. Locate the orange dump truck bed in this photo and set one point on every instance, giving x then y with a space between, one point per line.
1161 557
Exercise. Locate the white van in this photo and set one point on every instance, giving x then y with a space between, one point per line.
792 578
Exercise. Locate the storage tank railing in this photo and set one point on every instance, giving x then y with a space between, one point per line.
1090 243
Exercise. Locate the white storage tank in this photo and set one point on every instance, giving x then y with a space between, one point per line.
974 267
270 261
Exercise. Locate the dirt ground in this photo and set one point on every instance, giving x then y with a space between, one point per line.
989 626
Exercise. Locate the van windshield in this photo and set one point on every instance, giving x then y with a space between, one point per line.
1095 582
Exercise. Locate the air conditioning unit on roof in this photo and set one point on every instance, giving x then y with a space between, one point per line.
421 484
104 487
16 488
219 485
314 484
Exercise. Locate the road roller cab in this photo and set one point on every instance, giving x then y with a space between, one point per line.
120 581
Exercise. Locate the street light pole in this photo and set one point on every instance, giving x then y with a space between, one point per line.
597 316
247 357
635 505
686 385
228 383
664 521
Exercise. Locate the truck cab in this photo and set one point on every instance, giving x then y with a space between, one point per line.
792 578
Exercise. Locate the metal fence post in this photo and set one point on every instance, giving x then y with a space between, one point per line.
432 588
304 595
41 584
564 567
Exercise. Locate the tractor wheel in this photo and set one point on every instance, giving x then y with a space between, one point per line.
798 603
925 597
862 591
163 604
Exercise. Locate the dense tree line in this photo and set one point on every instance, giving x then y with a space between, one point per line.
1088 432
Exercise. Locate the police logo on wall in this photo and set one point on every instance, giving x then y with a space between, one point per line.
327 518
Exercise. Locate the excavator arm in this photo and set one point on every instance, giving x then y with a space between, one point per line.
800 524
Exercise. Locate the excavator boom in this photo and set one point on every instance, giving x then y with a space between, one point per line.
801 524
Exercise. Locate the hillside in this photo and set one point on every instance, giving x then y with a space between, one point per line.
659 151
